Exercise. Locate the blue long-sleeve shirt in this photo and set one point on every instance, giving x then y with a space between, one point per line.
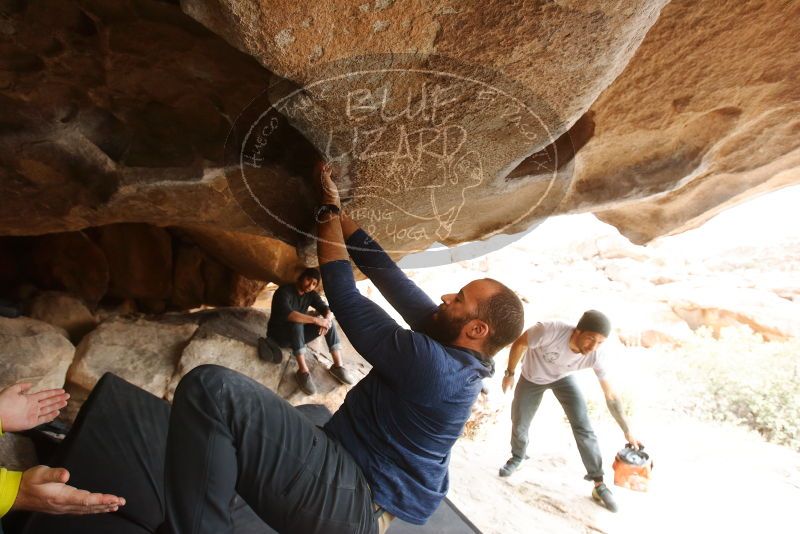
400 422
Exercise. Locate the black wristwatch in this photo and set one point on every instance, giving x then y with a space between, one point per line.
508 373
324 209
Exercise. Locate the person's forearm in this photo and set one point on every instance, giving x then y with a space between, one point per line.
515 355
9 486
615 407
413 304
330 241
349 226
302 318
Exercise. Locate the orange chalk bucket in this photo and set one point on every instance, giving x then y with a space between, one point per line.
632 468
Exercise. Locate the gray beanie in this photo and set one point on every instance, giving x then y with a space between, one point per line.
594 321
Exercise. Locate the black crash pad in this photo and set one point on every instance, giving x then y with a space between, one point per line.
117 446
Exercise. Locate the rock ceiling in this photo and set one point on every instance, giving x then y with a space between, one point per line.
448 121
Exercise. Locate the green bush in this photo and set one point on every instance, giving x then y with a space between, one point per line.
741 379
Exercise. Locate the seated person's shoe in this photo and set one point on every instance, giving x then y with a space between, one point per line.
306 383
341 374
511 465
603 496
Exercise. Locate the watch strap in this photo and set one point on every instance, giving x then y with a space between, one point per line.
324 209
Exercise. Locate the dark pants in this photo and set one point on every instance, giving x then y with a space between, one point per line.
230 434
116 446
296 335
528 396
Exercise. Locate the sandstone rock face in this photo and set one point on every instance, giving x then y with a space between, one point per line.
117 114
138 135
330 393
774 318
68 261
63 311
120 100
189 288
465 120
252 256
705 115
141 264
228 337
139 260
200 279
142 351
428 108
568 52
33 351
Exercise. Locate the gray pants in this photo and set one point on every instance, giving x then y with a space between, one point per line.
528 396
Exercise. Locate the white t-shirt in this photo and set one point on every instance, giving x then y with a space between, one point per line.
549 358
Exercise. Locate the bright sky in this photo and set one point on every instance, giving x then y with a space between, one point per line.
769 219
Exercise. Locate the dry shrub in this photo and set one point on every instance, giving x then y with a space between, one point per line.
740 378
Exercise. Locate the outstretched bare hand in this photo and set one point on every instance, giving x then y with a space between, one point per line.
45 489
20 410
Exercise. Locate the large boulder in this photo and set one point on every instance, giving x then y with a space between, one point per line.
112 112
143 351
704 116
330 393
224 287
567 52
461 121
131 127
64 311
253 256
427 109
33 351
715 308
229 336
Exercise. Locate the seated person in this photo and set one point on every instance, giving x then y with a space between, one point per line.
41 488
386 451
290 325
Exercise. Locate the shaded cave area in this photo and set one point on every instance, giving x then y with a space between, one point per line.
130 267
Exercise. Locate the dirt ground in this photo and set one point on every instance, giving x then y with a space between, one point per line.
708 477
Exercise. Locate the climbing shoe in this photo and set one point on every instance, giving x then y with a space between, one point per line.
602 495
306 383
341 374
511 465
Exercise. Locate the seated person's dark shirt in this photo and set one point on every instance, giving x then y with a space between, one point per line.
286 299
